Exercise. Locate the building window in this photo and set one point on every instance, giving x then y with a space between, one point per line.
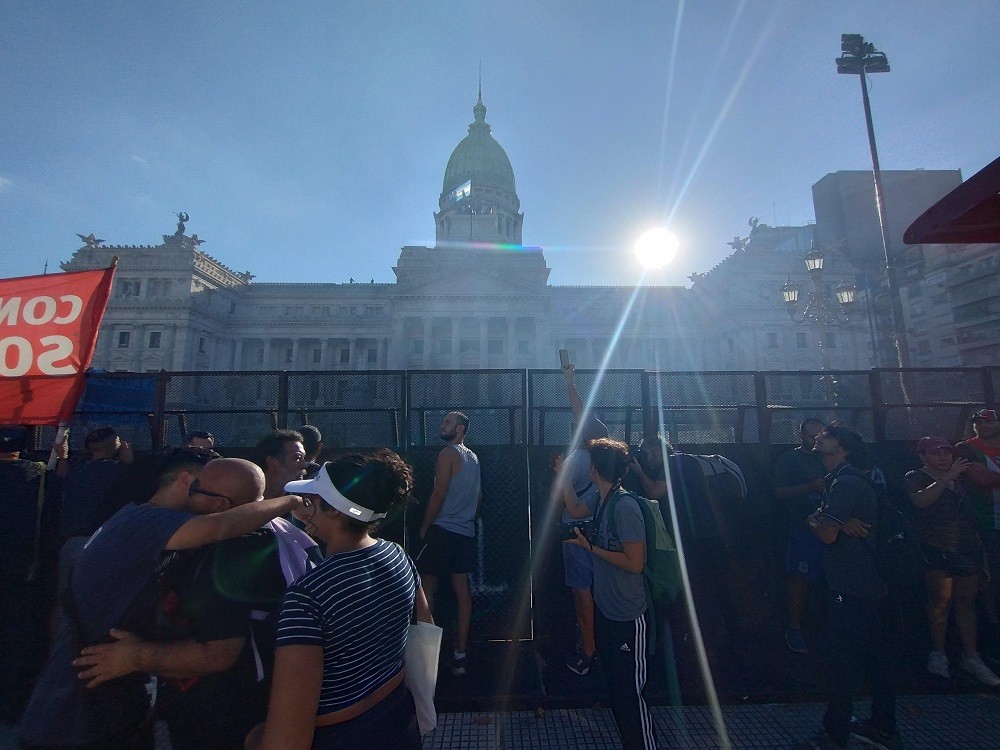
732 346
444 346
232 308
201 344
800 340
260 356
495 346
468 345
373 356
154 339
345 356
916 310
772 340
831 340
317 355
939 299
923 347
524 346
289 309
313 390
123 339
129 288
417 346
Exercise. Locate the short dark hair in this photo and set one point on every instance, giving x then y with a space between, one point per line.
808 421
852 443
462 420
273 444
381 481
609 457
201 434
182 459
311 438
662 442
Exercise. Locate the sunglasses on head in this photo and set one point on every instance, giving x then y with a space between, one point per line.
195 489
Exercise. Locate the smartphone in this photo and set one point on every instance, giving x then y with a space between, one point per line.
564 358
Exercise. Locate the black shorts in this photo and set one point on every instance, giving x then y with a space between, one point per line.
954 563
445 552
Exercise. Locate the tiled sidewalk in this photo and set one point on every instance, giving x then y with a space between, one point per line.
929 722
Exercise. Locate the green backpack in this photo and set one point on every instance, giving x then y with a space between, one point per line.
662 571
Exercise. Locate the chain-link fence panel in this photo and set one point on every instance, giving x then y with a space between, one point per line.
493 400
231 430
500 581
351 409
700 407
937 385
817 390
220 391
615 397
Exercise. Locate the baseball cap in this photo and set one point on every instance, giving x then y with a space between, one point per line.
323 486
932 443
13 439
984 414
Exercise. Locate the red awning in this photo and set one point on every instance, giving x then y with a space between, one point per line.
969 213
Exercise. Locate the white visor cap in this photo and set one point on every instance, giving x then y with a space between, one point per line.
323 486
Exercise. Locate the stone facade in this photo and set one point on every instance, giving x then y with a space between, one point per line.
478 299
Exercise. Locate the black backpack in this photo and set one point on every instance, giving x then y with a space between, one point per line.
899 557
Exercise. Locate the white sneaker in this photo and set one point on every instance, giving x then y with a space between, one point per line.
974 666
937 663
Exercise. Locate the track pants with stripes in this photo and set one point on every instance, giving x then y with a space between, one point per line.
622 647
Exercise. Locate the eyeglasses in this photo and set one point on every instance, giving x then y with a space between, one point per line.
195 489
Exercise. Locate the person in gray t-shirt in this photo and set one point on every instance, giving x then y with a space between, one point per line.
620 619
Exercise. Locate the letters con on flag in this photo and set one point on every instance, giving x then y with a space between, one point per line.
48 329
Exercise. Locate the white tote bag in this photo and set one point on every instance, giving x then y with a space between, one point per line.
423 644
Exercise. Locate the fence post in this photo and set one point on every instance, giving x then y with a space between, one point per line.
763 410
880 413
647 410
158 424
988 395
404 439
282 415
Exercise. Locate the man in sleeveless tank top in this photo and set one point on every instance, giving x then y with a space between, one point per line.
448 531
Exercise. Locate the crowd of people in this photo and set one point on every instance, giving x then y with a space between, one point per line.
258 603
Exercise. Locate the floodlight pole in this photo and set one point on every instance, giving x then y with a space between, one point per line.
857 57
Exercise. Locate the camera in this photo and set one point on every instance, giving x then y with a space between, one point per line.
566 529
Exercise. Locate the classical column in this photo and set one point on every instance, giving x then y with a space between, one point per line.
326 359
295 354
267 353
352 348
237 354
428 343
511 348
484 357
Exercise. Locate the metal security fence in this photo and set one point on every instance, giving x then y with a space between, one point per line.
401 409
518 419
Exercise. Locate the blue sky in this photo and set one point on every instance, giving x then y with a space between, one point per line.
308 140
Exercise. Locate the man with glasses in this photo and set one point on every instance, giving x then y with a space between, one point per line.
193 506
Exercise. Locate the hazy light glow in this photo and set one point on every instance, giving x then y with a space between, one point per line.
656 248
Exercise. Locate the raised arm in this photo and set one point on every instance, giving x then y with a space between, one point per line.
229 524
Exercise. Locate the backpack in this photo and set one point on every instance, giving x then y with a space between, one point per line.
725 487
899 558
662 571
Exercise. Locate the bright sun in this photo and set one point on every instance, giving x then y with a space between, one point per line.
656 248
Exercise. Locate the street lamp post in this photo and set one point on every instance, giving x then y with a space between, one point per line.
859 57
820 313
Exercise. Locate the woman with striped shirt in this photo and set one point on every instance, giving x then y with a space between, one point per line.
338 674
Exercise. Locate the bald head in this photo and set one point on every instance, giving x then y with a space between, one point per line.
240 480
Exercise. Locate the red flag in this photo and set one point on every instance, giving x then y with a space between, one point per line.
48 328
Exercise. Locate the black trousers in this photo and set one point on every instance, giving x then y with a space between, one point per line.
622 647
389 725
858 644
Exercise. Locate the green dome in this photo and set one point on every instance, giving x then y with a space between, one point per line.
479 158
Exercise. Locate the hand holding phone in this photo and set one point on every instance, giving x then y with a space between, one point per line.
564 359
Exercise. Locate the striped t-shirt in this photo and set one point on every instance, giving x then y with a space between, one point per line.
357 606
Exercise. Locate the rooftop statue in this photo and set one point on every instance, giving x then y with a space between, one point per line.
90 240
181 218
